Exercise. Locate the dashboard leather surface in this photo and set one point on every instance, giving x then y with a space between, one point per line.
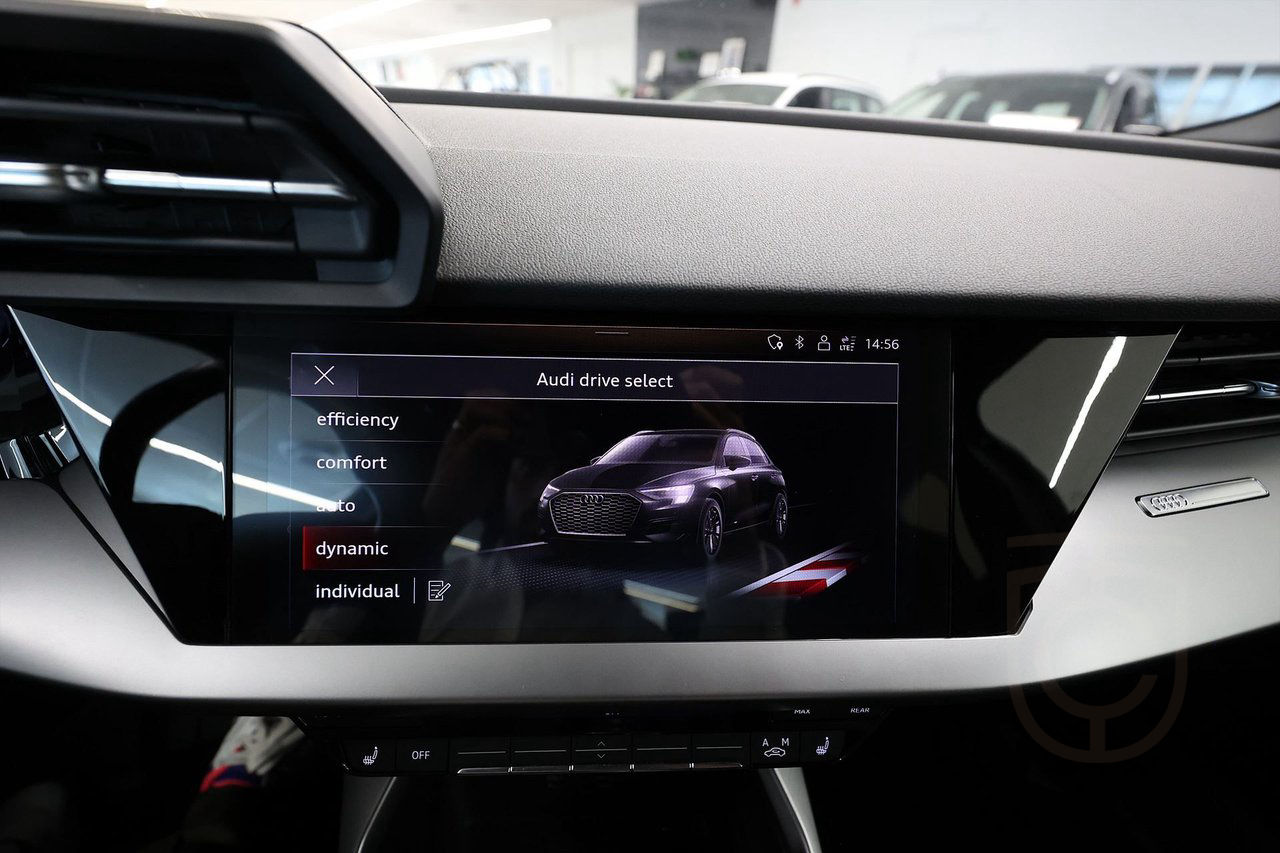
561 209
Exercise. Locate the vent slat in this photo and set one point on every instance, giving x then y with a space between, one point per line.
1214 383
220 245
353 215
115 180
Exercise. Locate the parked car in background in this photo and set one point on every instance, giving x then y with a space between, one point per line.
492 76
1113 100
809 91
1192 95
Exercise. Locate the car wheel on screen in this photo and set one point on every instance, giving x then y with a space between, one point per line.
711 529
781 517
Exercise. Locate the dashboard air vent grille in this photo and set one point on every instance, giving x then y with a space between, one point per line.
134 184
166 159
1214 383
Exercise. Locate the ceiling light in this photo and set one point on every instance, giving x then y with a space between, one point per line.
362 12
396 48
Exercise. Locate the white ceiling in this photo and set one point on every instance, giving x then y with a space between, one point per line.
386 21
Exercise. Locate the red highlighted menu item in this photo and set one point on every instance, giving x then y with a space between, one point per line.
361 548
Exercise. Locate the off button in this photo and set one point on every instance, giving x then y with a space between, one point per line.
422 755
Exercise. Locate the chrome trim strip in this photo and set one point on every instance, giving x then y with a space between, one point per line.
304 191
560 532
129 180
9 467
39 178
19 464
1239 389
15 174
789 796
53 176
1202 497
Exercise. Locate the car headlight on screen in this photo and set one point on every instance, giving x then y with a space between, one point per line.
675 495
548 493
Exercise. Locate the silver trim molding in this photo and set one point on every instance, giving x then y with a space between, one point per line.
1239 389
68 180
789 795
1119 592
171 183
1202 497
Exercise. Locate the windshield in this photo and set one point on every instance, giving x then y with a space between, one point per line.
1109 66
736 93
1079 102
685 448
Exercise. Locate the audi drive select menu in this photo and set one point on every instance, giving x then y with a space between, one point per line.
688 490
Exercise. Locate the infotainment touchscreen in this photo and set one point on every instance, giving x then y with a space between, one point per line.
462 483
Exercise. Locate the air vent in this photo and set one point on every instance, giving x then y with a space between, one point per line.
1214 385
150 150
149 189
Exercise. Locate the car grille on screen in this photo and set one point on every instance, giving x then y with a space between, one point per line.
593 513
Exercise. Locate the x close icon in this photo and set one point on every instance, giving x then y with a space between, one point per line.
324 375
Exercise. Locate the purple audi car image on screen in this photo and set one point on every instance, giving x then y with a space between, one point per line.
685 487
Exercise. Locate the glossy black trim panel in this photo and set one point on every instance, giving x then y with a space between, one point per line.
1036 421
148 411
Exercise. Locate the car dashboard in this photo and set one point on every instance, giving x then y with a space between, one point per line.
491 437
